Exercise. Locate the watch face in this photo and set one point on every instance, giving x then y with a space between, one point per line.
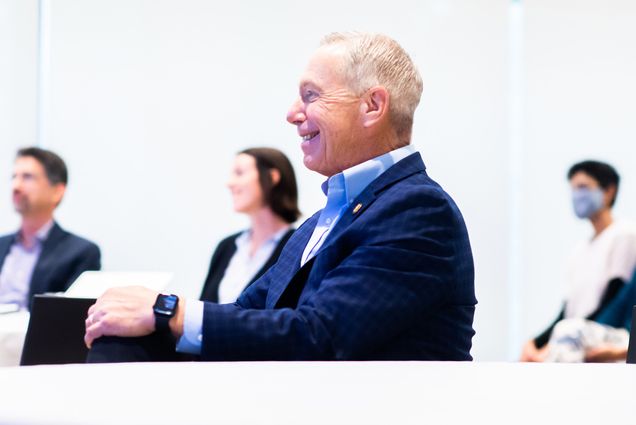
166 304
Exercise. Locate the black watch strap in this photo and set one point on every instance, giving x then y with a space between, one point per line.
162 323
164 309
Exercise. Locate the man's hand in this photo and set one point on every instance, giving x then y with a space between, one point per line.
606 353
121 312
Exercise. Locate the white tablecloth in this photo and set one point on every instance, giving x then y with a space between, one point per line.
319 393
13 327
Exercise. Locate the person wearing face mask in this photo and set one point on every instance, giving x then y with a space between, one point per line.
587 328
263 186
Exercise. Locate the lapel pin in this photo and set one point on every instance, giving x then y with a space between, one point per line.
357 208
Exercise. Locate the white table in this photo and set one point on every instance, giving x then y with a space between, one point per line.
319 393
13 328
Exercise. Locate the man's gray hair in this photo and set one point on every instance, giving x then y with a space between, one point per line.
375 59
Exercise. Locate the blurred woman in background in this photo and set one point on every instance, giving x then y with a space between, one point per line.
263 186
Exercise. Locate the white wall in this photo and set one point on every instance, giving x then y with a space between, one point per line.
149 101
581 104
18 58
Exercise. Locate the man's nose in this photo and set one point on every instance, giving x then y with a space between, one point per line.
16 183
296 115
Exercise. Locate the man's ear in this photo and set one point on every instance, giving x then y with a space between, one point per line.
610 194
375 106
58 193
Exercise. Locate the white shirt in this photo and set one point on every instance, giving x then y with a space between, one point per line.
18 266
243 266
595 262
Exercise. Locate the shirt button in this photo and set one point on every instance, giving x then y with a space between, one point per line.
328 221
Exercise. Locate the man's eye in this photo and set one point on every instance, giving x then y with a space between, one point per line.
309 96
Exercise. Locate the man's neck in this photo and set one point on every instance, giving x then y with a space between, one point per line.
382 143
601 221
30 227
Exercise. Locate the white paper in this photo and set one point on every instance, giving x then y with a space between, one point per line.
93 284
9 308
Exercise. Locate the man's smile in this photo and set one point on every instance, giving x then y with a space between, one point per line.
307 137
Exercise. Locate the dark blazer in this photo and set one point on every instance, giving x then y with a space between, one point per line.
221 258
394 280
63 258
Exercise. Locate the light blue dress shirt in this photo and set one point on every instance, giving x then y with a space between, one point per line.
18 266
341 189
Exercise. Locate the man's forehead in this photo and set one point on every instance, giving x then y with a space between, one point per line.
28 164
583 176
326 64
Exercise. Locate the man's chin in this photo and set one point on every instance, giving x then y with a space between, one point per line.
316 167
21 209
310 164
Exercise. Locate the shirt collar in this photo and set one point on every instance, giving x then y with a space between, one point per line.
353 180
244 238
44 231
41 235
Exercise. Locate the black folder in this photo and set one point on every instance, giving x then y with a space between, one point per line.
56 331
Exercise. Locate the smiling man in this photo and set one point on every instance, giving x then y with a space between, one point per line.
41 256
383 272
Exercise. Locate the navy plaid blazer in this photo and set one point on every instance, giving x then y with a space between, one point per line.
394 280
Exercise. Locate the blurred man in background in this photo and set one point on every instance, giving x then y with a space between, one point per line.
41 256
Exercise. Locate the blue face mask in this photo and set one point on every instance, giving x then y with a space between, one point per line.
587 202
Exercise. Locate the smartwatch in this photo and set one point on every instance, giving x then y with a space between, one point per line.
165 308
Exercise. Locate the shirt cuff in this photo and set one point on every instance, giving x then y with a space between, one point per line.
190 341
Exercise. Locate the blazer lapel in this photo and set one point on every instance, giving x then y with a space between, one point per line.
285 292
5 246
40 277
288 269
408 166
291 292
